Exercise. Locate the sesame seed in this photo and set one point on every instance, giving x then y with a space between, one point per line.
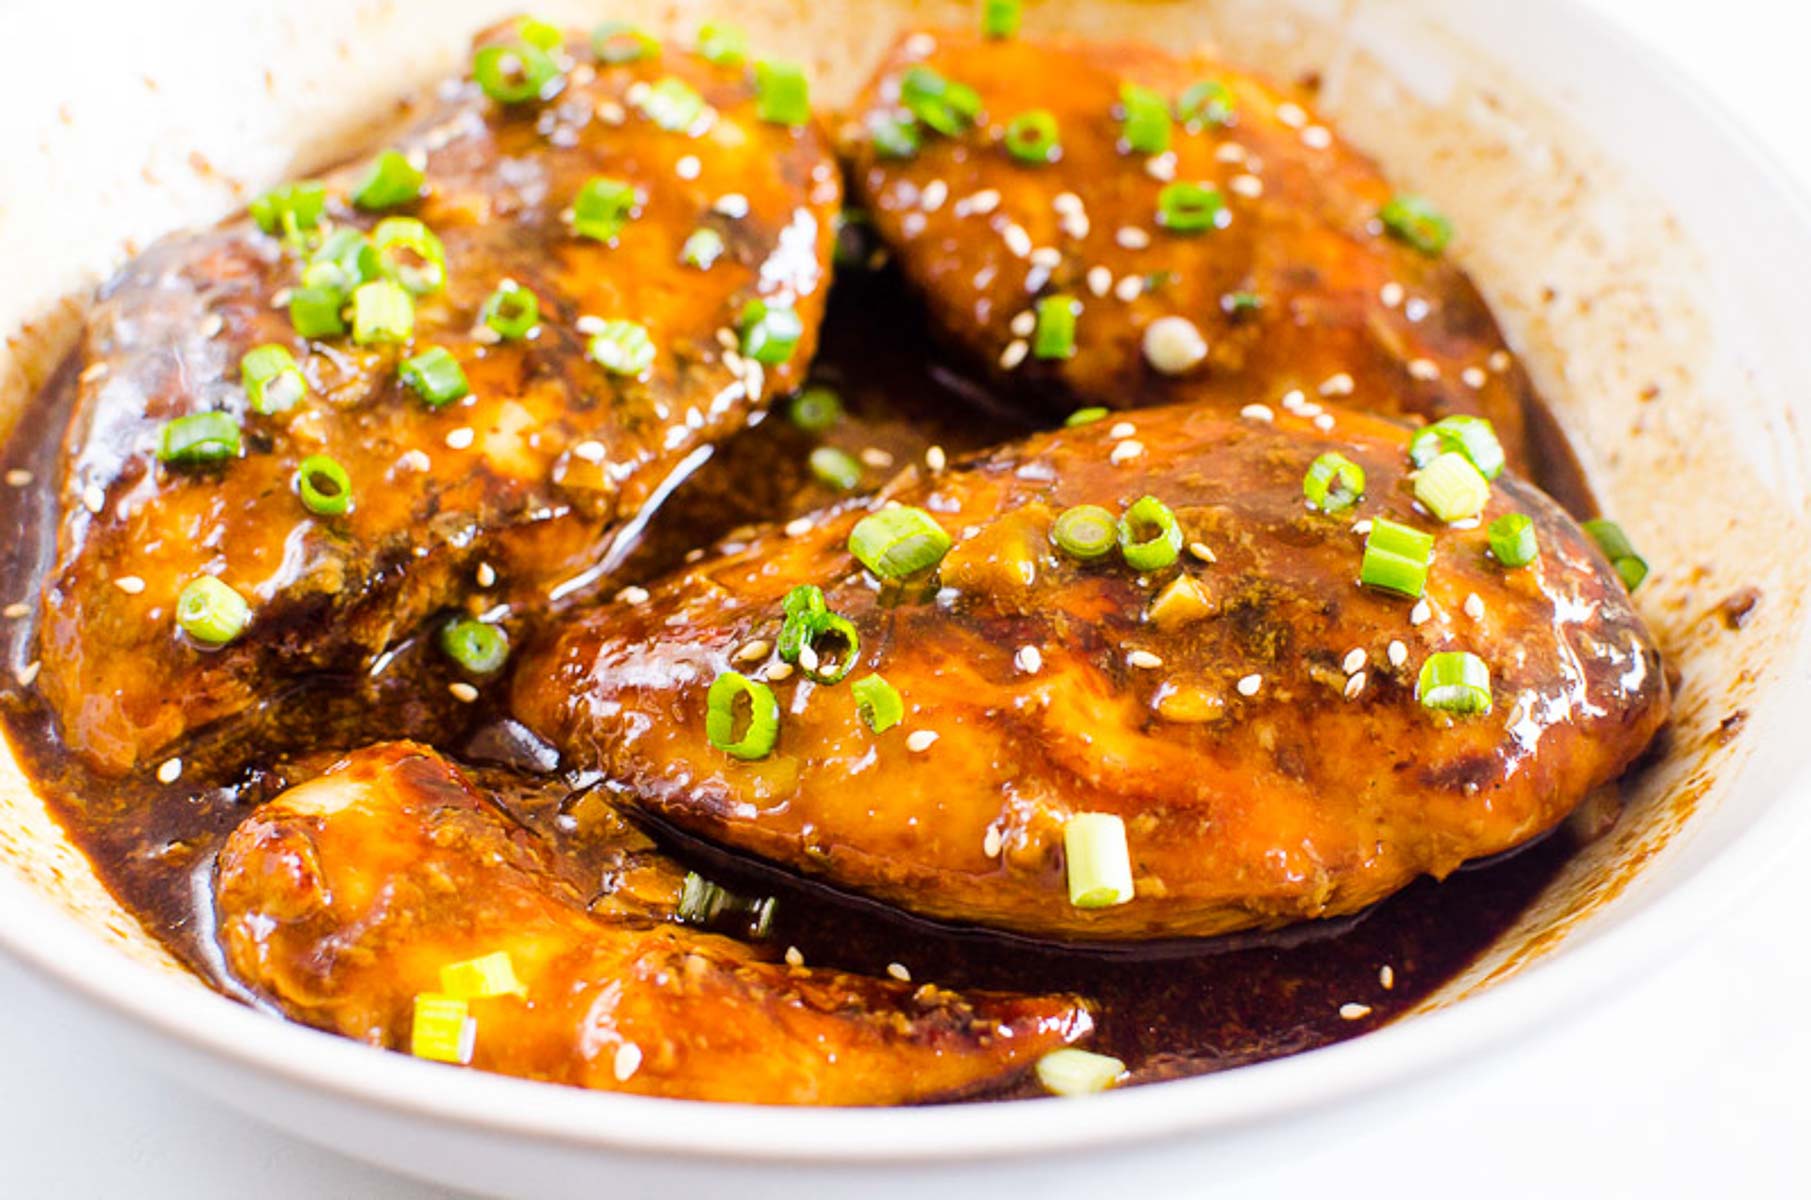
92 372
1291 114
687 167
983 201
1424 369
1398 653
1362 527
1122 429
1474 607
1317 137
1416 308
589 451
1161 166
1132 238
1017 240
1355 660
589 324
1230 152
1249 685
610 112
1354 1012
626 1062
27 673
934 194
633 595
212 324
1144 660
463 692
778 671
1473 377
1173 345
1125 452
1015 353
18 477
1048 257
170 770
1499 361
1420 613
1337 385
414 460
460 438
486 575
794 957
733 205
807 657
919 45
1066 202
1200 551
899 972
1324 422
753 651
1391 294
1247 185
1076 225
921 740
1100 280
132 585
1029 659
798 527
1355 685
1023 323
935 458
1129 288
1386 976
93 499
990 842
1257 412
14 611
875 457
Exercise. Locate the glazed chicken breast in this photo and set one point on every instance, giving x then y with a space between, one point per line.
1111 224
1186 673
441 375
390 901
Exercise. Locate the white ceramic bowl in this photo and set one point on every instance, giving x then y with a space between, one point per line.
1646 262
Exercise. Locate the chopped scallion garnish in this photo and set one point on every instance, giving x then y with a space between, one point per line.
409 253
199 439
701 902
1000 19
343 260
1150 537
211 612
1414 220
878 702
703 248
511 312
1208 102
324 486
314 312
1084 416
1031 137
722 45
835 468
543 34
803 606
1145 126
674 105
482 978
382 312
1451 488
1055 336
1334 483
1396 558
618 42
782 96
1086 531
897 542
1619 550
441 1029
816 409
392 180
478 648
829 649
273 382
949 108
1454 681
1190 208
1513 541
290 209
770 333
622 348
1474 437
602 207
894 136
1072 1072
436 376
1097 860
515 73
721 718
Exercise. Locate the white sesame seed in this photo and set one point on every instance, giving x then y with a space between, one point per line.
1474 607
934 194
1161 166
1499 361
626 1062
1066 202
1420 613
610 112
921 740
1391 294
27 673
1017 240
1201 551
899 972
1173 345
1362 527
460 438
990 842
1048 257
1132 238
778 671
463 692
414 460
1129 287
1257 412
1354 1012
18 477
1354 685
1023 323
1249 685
170 770
1291 114
1015 353
14 611
1355 660
1122 429
1416 308
212 325
687 167
1424 369
1125 452
1100 280
486 575
1473 377
589 323
92 372
794 957
1029 659
93 499
1398 652
875 457
935 458
1337 385
807 657
733 205
1324 422
984 201
633 595
753 651
1386 976
1144 660
1230 152
281 297
1247 185
919 45
798 527
132 585
1317 137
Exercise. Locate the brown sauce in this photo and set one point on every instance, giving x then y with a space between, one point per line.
1167 1010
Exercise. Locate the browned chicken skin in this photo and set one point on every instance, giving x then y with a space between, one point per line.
1256 725
520 484
341 900
1342 309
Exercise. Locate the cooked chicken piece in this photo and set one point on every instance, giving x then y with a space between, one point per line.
506 490
1238 699
1279 276
342 901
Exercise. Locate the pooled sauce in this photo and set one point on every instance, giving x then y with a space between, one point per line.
1168 1010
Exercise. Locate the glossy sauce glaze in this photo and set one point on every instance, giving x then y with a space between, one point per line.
1167 1009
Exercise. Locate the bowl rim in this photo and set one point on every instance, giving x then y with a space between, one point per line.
58 948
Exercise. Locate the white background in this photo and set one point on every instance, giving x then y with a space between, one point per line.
1696 1081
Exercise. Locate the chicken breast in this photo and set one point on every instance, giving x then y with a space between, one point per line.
346 900
1274 739
644 205
1273 270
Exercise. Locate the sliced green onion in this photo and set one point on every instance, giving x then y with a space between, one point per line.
835 468
409 253
1000 19
1454 681
618 42
211 612
701 902
878 702
344 259
1031 137
1190 207
1396 558
324 486
770 334
1072 1072
1097 860
1513 541
314 312
436 377
382 312
273 382
622 348
894 136
673 105
543 34
1208 102
1085 531
816 409
602 207
511 312
1413 220
809 621
1146 126
947 107
829 629
782 97
1150 538
290 208
1084 416
441 1028
198 439
514 73
1474 437
722 45
1241 304
1451 488
482 978
479 649
1334 483
703 248
804 605
897 542
1619 550
1055 336
392 180
720 720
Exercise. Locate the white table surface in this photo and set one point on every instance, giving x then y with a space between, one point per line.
1696 1081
